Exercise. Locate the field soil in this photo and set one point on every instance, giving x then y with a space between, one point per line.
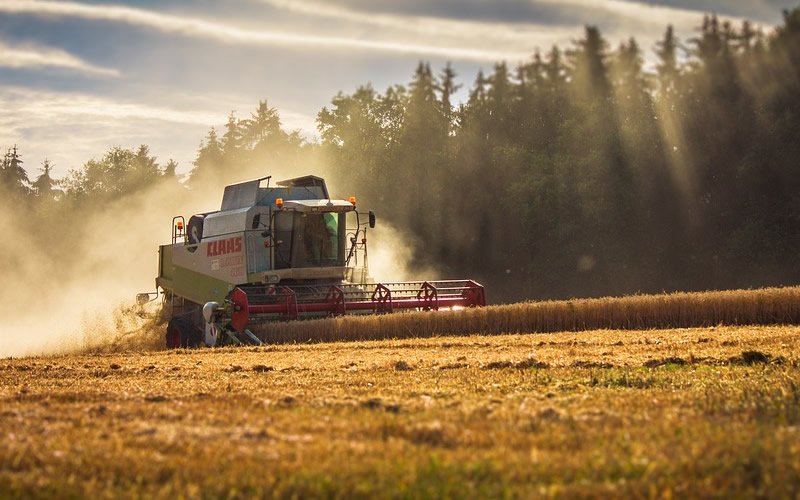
653 413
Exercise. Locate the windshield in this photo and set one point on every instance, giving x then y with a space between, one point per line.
284 224
308 240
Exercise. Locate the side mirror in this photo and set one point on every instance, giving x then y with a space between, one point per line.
371 219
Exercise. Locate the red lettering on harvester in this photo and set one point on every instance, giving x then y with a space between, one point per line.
221 247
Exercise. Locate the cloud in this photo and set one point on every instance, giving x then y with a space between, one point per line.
503 14
70 128
370 28
495 34
524 25
765 11
46 105
37 57
642 13
196 27
554 12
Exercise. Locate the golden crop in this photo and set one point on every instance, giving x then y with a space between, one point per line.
658 413
767 306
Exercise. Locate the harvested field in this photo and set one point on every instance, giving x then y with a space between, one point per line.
766 306
703 412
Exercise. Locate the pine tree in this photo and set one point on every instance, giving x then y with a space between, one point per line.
144 169
471 115
667 66
232 149
209 161
44 185
14 177
477 96
261 125
588 67
500 106
170 169
447 87
425 132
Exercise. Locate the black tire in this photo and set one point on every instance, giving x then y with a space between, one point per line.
183 332
194 230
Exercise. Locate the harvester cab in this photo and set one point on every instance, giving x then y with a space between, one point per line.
277 253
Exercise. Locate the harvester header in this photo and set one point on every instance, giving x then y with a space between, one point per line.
281 253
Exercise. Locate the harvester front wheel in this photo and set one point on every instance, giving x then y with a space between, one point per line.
181 332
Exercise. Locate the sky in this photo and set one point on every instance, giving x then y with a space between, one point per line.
80 77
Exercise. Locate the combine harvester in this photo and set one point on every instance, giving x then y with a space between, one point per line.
280 253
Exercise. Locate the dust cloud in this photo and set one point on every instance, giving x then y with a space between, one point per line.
70 281
70 277
391 256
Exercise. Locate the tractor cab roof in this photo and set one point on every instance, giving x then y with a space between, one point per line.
306 181
250 193
314 206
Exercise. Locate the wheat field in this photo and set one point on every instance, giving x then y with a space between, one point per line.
702 412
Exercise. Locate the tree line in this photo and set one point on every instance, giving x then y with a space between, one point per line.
581 172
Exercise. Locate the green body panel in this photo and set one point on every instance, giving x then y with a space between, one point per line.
192 285
165 263
198 287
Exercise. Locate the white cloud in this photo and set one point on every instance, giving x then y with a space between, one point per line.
426 36
618 19
37 57
71 128
47 105
639 16
230 34
516 37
